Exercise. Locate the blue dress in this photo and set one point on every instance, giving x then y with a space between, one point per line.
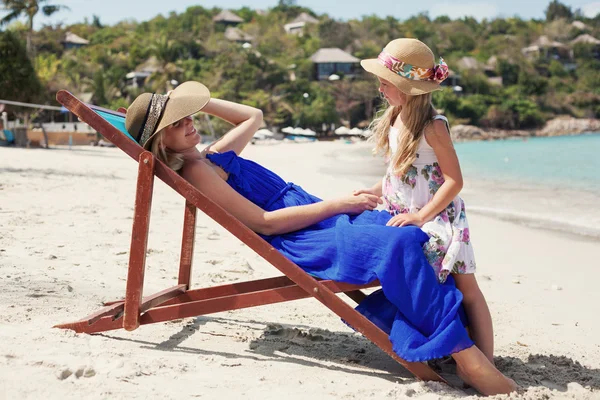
424 319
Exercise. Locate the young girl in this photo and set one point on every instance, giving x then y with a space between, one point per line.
423 178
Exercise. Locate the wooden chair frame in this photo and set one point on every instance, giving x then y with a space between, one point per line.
180 301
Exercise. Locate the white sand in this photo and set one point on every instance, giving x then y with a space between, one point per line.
65 223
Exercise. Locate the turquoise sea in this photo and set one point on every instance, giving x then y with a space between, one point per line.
547 182
552 183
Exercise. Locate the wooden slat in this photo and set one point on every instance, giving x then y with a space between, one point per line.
115 308
240 288
161 297
187 244
139 241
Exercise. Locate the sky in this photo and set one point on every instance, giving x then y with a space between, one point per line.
113 11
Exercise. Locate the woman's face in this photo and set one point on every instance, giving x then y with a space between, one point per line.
181 135
392 94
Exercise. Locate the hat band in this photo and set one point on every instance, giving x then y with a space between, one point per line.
436 74
155 111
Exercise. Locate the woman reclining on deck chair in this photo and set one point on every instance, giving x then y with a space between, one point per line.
342 239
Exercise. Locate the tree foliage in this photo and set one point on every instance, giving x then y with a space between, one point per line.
28 9
18 79
275 72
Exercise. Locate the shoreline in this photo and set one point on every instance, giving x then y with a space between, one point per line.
558 229
473 194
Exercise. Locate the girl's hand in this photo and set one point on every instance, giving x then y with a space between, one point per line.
406 219
355 204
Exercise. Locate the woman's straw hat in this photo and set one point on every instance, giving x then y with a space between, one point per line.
410 65
151 112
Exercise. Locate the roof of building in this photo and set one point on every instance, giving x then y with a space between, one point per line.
237 35
543 42
468 63
333 55
151 65
304 17
227 16
585 38
579 25
70 37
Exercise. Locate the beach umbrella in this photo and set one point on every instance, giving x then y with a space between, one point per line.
264 133
309 132
342 130
356 131
298 131
288 129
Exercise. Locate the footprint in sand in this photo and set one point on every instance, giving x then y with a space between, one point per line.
298 336
242 268
85 372
214 235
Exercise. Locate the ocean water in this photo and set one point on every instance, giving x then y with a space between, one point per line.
547 182
552 183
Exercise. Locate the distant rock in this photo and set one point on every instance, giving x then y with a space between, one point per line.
569 126
554 127
467 132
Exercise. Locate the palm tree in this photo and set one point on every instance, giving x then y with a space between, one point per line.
29 9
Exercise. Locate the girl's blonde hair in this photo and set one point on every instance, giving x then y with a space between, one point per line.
419 114
173 159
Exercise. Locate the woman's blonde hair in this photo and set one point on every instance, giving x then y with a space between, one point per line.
419 114
173 159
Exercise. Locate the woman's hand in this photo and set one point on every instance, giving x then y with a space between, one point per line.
357 203
406 219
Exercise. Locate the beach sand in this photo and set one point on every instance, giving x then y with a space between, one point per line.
65 224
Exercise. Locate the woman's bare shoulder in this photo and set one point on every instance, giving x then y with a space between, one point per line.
201 171
197 168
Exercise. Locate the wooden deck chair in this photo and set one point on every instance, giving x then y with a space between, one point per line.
180 301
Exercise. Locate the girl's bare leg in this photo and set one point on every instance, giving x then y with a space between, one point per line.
480 320
473 367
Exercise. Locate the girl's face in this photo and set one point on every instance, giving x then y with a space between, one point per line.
181 135
392 94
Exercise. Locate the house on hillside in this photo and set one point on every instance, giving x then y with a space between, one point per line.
329 61
549 49
237 35
580 25
296 27
72 41
138 77
488 68
468 63
588 40
227 18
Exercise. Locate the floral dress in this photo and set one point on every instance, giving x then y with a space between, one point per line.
449 248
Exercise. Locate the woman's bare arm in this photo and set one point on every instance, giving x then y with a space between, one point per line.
290 219
246 119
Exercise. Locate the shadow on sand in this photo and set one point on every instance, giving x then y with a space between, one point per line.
352 353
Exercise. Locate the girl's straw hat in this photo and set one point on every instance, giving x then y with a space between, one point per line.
410 65
151 112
